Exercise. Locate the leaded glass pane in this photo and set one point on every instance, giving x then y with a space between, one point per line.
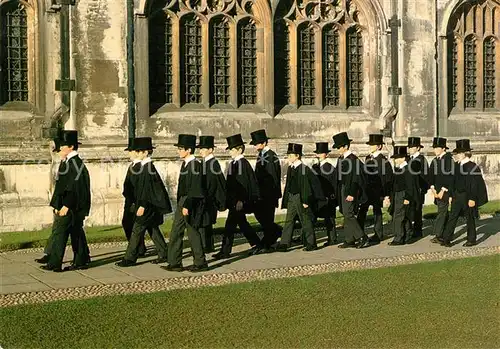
470 72
247 63
220 61
191 60
307 66
489 73
331 66
354 68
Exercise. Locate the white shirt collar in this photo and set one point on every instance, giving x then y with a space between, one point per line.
135 161
208 157
322 161
376 153
71 155
403 164
146 160
415 155
441 155
347 153
238 157
189 159
266 148
297 163
464 161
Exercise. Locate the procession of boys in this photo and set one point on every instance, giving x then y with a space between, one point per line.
351 185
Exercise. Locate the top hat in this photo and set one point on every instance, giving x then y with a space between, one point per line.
414 142
463 145
186 141
130 145
322 148
57 145
400 152
439 142
294 148
258 137
143 143
68 138
376 139
206 142
341 139
234 141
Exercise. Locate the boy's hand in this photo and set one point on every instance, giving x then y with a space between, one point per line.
185 211
406 202
140 211
63 211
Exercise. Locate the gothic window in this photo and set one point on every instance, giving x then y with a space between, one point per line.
220 59
191 60
489 73
247 62
473 57
331 66
307 53
160 60
13 53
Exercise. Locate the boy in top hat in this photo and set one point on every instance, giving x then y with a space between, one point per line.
71 203
441 180
327 176
420 167
378 174
241 196
468 193
214 184
268 173
405 195
189 213
350 190
302 197
130 209
152 202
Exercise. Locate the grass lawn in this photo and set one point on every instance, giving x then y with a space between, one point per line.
449 304
29 239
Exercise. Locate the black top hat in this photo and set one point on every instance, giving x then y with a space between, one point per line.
294 148
258 137
376 139
186 141
234 141
68 138
341 139
463 145
57 145
414 142
130 145
439 142
206 142
143 143
400 152
322 148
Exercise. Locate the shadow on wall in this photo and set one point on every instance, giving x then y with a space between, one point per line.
3 182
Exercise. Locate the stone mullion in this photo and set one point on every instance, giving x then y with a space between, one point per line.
294 76
176 58
205 45
318 71
460 75
497 73
233 47
343 69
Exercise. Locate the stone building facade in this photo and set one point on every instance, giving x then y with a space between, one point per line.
302 69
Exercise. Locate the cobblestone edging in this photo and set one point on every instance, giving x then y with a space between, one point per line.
236 277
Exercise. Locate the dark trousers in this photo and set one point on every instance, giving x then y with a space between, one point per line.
207 238
417 218
442 216
295 209
264 213
62 229
129 214
48 247
352 230
377 213
238 219
460 205
402 227
138 232
331 226
179 226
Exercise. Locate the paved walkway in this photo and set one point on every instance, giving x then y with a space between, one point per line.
22 281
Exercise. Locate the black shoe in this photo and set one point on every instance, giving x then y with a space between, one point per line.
221 255
282 248
76 267
43 260
469 244
310 248
50 267
374 240
347 245
159 261
297 240
197 268
446 243
125 263
436 240
177 267
396 243
255 251
363 242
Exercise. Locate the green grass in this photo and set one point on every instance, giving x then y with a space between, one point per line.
448 304
30 239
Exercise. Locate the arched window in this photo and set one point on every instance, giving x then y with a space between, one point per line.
13 53
331 66
247 62
473 57
307 65
220 60
354 67
191 60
